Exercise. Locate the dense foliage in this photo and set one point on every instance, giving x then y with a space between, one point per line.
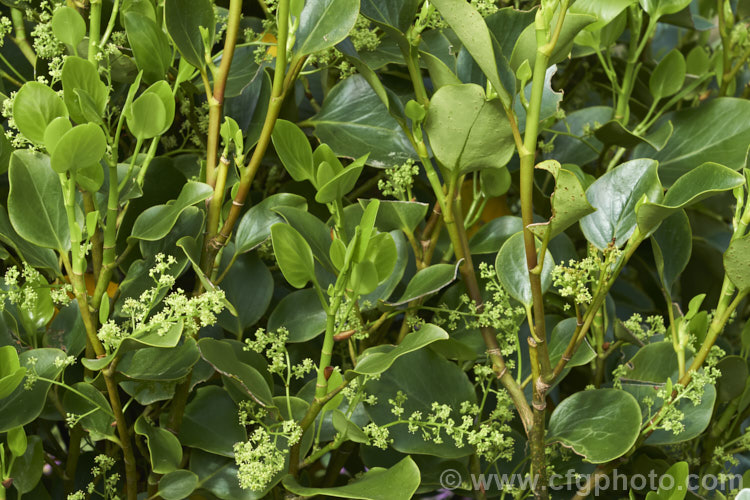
374 248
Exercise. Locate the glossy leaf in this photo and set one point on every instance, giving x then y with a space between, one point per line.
184 20
146 116
155 222
178 484
605 12
34 107
324 23
294 150
398 14
23 406
251 302
164 448
716 131
35 202
82 146
396 483
526 47
293 255
301 313
150 45
513 273
354 122
659 8
159 363
569 203
255 225
221 356
68 25
737 262
210 422
600 425
340 185
696 185
677 488
378 359
466 131
668 76
27 469
428 281
614 196
81 77
93 408
672 245
471 29
11 371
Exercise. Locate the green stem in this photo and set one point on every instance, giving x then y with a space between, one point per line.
20 36
95 20
110 24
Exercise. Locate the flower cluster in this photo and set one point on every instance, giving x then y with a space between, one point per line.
261 458
654 325
399 180
103 464
192 313
497 312
274 345
46 44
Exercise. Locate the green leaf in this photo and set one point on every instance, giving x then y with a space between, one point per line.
600 425
446 384
396 14
559 340
301 313
23 406
27 469
398 215
659 8
677 488
615 196
466 131
697 417
81 77
525 48
716 131
513 272
491 236
348 429
396 483
323 24
82 146
17 442
353 121
471 29
294 150
251 302
737 262
150 45
672 245
36 256
184 18
222 357
34 108
35 203
68 26
569 203
293 255
668 76
210 422
155 222
11 372
149 336
97 416
178 484
164 448
696 185
340 185
146 116
159 363
255 225
161 90
378 359
605 12
55 131
428 281
614 133
314 231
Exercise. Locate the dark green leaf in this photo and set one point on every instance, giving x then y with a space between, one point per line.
513 272
301 313
600 425
155 222
210 422
324 23
184 18
614 196
378 359
164 448
178 484
397 483
150 45
293 255
428 281
35 202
